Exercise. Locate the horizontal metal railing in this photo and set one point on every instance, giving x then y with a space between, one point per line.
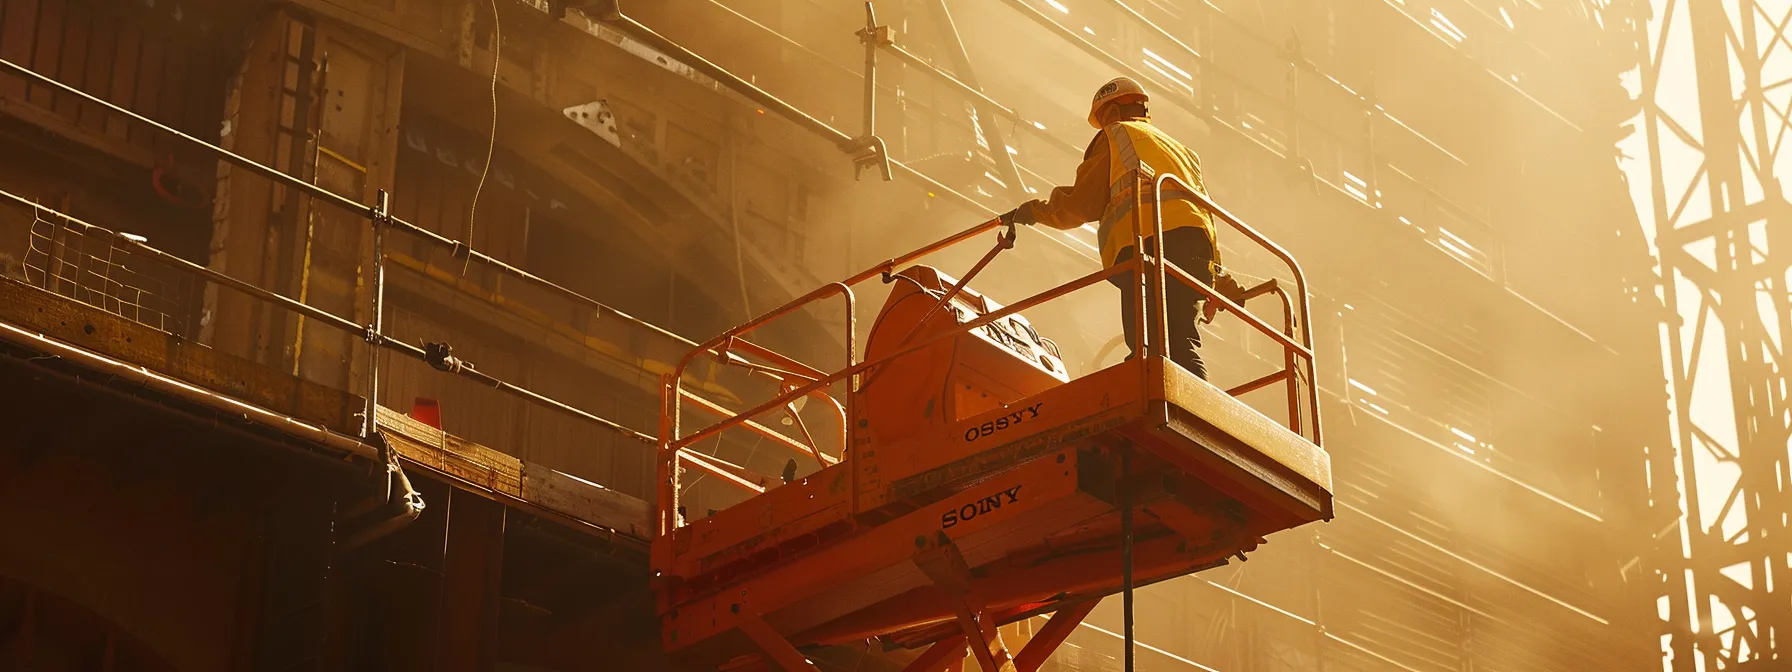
380 219
436 354
1291 349
1148 269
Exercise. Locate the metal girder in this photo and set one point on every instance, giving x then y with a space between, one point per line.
774 646
961 65
936 656
1056 630
471 577
945 566
1726 246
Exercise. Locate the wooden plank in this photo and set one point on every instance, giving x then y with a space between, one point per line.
586 501
175 104
149 86
99 331
47 50
102 55
124 79
532 484
451 455
72 66
18 32
431 186
46 119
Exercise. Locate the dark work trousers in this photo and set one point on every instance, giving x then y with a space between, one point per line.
1189 249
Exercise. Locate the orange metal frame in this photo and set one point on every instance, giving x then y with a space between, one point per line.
1149 270
800 380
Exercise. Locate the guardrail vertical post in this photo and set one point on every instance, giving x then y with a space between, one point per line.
1125 488
869 150
1160 300
379 216
852 382
666 463
669 435
1293 383
870 39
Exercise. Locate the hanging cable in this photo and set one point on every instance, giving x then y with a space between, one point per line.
491 144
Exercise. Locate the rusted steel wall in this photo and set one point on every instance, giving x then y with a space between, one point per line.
438 172
77 157
527 218
137 57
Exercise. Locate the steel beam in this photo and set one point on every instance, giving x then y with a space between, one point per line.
467 618
1725 573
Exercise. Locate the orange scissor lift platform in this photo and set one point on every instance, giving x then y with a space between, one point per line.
980 484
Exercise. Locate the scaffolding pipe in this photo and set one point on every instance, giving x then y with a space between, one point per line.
148 379
440 356
961 63
460 249
911 59
1126 530
987 318
436 355
1242 81
375 216
870 37
846 143
1193 106
381 212
637 30
908 58
202 271
1302 295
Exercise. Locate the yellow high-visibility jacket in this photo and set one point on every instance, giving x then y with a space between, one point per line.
1103 190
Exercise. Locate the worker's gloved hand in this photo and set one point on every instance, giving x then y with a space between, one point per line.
1026 213
1228 287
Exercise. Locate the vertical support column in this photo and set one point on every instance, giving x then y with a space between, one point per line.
1126 529
381 217
357 148
472 572
242 210
298 616
1736 265
335 128
986 118
27 635
1316 558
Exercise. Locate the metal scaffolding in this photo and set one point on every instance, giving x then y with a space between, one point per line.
1724 232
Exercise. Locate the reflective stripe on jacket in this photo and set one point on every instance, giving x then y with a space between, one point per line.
1135 146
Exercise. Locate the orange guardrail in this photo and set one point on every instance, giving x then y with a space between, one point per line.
1148 270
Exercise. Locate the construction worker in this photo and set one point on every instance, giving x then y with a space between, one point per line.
1103 191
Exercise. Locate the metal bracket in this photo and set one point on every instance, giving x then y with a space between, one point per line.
597 117
945 566
602 10
870 150
773 645
379 218
440 356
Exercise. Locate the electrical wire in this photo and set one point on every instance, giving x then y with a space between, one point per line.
491 145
